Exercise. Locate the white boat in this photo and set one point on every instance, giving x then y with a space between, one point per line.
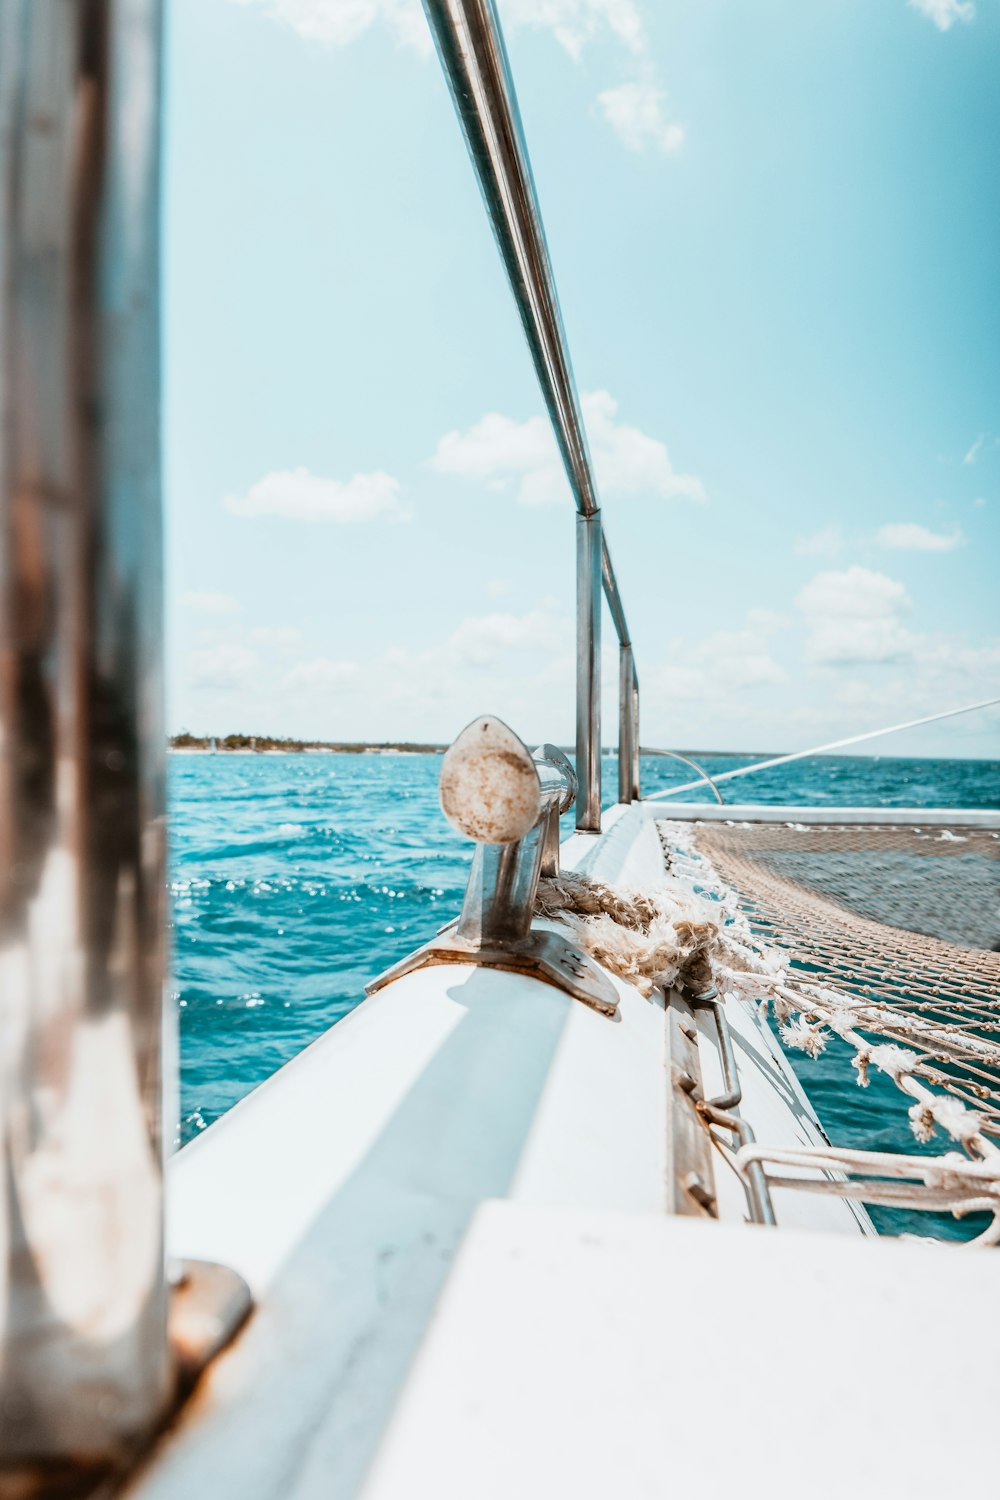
548 1213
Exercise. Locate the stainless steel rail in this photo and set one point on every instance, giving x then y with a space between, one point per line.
84 1366
471 47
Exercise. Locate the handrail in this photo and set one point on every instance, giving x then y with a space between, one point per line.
470 45
613 595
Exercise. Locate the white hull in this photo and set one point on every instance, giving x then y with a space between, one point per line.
464 1106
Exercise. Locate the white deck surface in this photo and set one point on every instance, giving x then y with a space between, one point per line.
609 1355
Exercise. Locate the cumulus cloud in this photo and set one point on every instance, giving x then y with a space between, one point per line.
482 640
499 451
635 110
826 543
725 662
637 114
855 616
202 602
573 23
944 13
297 495
225 667
907 536
488 662
336 23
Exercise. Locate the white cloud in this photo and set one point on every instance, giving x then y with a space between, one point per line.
854 616
321 672
907 536
826 543
635 110
979 502
973 452
295 494
497 450
723 663
201 602
499 588
855 593
637 114
482 640
520 666
336 23
574 23
223 668
944 13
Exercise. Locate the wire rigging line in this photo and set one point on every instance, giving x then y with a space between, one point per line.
852 739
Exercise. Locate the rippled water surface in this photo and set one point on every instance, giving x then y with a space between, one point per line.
296 878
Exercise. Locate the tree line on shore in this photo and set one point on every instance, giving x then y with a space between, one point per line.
187 741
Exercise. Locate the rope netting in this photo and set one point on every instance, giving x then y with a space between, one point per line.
825 896
920 1008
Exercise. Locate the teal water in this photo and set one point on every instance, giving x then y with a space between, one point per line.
295 878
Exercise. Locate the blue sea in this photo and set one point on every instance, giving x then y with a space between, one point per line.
296 878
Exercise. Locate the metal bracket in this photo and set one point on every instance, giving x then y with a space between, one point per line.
541 955
208 1305
690 1177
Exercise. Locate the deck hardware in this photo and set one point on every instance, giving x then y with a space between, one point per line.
209 1304
494 790
689 1142
690 1174
732 1093
717 1110
699 1190
753 1175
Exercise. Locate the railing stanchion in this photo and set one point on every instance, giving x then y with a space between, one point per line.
626 684
636 791
84 1364
588 672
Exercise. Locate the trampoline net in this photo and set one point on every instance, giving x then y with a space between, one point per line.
904 919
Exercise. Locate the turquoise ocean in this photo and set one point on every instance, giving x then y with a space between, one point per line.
295 878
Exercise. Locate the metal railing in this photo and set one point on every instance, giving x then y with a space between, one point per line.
84 1365
471 47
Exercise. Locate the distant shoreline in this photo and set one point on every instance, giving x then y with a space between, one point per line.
263 744
243 744
185 744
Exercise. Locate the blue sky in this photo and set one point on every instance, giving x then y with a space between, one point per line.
776 232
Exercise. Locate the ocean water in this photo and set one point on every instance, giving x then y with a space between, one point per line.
296 878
